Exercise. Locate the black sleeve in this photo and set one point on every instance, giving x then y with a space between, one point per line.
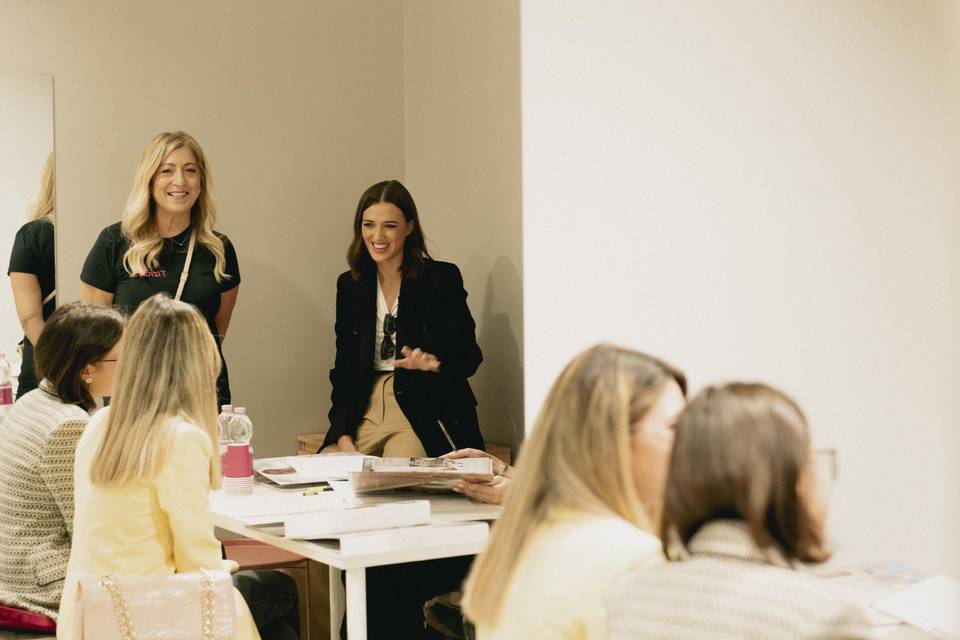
25 257
100 267
343 392
457 348
232 266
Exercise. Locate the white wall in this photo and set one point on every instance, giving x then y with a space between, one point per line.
26 128
765 191
462 164
299 107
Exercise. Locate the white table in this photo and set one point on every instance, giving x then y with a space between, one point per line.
444 508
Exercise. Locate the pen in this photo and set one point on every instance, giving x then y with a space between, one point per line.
312 491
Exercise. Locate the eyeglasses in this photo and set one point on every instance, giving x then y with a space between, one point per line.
108 360
825 463
387 348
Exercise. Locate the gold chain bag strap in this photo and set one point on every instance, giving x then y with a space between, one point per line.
183 606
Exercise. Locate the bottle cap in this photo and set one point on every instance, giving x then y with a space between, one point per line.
239 409
226 407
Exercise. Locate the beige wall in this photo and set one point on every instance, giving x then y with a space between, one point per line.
462 164
299 106
766 191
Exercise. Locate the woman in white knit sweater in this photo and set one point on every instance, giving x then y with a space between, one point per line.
76 357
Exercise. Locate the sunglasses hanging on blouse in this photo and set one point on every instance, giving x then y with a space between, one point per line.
387 348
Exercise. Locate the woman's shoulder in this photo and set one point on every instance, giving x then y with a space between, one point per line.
93 432
631 540
573 530
42 227
441 275
346 282
112 234
114 230
49 409
440 269
39 416
800 594
186 434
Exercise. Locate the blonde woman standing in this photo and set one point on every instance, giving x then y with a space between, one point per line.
168 224
32 274
145 465
585 500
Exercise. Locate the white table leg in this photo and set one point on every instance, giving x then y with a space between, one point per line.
337 604
357 604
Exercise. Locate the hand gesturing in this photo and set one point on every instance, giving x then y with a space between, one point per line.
417 359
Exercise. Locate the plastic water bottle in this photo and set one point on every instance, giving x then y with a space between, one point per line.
223 428
241 426
6 386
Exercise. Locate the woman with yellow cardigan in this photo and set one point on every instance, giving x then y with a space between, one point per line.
584 505
145 465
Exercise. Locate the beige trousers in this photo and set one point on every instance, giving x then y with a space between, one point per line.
384 430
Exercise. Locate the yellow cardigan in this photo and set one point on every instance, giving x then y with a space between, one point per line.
161 526
564 574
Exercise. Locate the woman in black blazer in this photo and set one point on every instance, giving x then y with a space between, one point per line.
406 341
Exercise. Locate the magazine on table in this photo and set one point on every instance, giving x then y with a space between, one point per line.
300 471
385 474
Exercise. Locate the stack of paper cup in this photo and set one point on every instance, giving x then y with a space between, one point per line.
238 469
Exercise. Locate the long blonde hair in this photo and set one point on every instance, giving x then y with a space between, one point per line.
138 220
578 457
44 206
168 369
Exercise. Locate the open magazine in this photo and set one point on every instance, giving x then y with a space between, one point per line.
301 471
385 474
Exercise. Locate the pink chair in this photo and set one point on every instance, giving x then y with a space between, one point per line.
254 555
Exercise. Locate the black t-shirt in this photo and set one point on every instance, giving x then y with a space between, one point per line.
33 253
104 270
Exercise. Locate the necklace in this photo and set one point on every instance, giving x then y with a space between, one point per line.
185 233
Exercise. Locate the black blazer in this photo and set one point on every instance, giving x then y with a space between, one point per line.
432 315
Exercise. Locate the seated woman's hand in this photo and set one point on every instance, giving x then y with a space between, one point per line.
345 444
417 360
493 492
499 467
467 453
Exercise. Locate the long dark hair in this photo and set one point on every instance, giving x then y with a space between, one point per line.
414 247
75 335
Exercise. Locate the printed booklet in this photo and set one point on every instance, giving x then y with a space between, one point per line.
385 474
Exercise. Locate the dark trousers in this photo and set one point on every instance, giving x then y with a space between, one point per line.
272 599
223 380
396 594
27 381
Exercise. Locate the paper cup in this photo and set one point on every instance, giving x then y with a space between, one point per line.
237 461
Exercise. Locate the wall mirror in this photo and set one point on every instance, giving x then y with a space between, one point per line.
26 189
